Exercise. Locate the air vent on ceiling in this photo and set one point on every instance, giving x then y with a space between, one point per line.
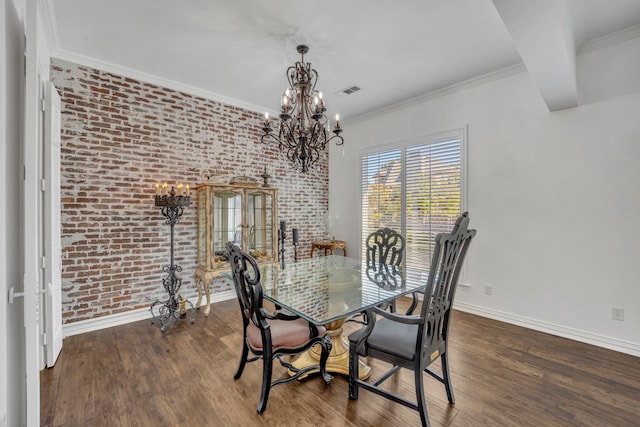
348 90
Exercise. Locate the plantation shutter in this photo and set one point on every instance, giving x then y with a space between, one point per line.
416 190
433 195
381 191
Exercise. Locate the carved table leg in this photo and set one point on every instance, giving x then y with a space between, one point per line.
338 361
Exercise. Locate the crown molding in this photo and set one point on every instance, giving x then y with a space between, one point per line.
48 17
608 40
446 91
152 79
51 30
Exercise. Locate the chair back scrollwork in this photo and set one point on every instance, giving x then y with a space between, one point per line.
246 277
385 246
385 251
386 276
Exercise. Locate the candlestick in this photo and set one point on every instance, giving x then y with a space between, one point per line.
294 235
282 235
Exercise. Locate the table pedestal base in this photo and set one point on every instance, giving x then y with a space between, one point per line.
338 361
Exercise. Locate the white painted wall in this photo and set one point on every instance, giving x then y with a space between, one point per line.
554 196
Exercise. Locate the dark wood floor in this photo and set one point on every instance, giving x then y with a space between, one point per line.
503 375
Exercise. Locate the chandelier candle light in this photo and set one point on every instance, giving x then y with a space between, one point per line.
172 205
304 130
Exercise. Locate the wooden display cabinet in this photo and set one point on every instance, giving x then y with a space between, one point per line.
246 215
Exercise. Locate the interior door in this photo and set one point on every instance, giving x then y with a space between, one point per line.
31 197
52 227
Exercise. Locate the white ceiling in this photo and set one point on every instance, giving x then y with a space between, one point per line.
394 50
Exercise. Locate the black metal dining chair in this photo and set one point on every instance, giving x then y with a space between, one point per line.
385 251
270 335
415 341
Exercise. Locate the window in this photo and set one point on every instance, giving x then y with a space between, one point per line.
415 188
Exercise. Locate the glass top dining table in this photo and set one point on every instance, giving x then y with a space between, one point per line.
327 290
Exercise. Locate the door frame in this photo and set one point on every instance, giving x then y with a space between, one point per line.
51 293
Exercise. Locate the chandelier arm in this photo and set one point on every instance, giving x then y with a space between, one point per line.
313 154
268 136
338 137
317 135
317 142
289 137
313 80
292 72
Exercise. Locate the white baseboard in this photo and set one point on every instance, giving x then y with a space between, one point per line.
562 331
550 328
110 321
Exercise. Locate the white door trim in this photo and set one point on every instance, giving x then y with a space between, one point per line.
52 228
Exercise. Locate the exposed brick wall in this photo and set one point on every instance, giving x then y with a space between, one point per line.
119 137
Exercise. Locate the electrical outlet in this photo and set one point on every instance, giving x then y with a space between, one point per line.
617 313
488 289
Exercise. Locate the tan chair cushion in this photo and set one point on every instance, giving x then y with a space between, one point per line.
284 334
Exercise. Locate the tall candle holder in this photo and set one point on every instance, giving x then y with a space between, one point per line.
175 306
282 235
294 237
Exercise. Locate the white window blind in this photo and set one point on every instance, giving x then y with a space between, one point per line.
381 192
415 189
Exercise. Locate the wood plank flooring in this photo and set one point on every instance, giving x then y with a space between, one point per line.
503 375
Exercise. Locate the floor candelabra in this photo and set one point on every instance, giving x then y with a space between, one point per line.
175 306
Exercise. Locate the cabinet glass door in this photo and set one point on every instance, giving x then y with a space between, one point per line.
227 222
202 228
260 221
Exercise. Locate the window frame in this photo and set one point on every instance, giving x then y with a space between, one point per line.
402 145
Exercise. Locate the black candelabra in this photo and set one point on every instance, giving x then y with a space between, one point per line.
294 236
282 235
282 238
175 306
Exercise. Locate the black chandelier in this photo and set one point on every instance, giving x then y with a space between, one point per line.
304 130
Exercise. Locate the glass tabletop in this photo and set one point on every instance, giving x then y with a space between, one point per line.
329 288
